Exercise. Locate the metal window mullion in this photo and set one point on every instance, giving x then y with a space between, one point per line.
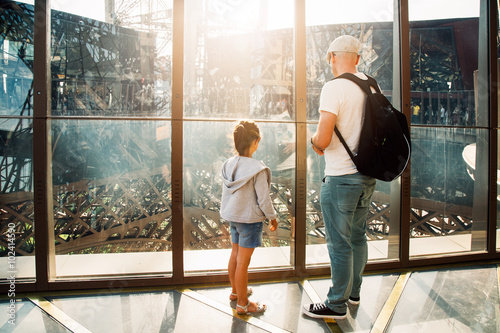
493 127
301 138
44 244
403 192
177 141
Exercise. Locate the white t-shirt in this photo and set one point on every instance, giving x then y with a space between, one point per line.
346 100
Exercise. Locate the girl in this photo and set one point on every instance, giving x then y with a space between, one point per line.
246 203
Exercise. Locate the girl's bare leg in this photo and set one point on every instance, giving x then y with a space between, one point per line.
231 267
241 277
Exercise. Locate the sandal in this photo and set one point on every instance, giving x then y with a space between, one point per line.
234 297
260 309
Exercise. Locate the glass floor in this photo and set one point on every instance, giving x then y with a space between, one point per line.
458 299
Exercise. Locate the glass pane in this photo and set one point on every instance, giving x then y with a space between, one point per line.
112 197
445 191
207 239
111 179
376 38
238 60
444 62
16 46
449 187
111 58
324 24
17 240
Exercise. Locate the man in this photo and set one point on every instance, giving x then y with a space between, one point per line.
416 114
345 193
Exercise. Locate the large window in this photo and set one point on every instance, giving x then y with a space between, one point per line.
238 65
449 137
17 238
373 26
109 147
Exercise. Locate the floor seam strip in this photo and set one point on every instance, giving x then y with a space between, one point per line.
58 315
387 311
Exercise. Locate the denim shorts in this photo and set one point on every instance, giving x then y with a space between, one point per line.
248 235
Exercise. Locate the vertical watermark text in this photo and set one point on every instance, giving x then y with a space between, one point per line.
11 273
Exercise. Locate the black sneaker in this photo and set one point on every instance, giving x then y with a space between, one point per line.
320 310
354 300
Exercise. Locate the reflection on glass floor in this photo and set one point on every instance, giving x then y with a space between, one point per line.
460 299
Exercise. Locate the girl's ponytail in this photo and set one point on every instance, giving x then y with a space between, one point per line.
245 132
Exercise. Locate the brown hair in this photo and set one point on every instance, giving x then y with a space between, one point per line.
245 132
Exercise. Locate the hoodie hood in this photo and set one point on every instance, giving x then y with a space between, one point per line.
238 170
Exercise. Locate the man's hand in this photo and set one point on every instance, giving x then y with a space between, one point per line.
318 151
323 136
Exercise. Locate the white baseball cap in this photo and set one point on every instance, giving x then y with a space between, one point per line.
344 43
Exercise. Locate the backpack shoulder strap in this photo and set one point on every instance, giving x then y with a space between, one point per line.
341 138
363 84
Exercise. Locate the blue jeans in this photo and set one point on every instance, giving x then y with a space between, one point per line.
345 201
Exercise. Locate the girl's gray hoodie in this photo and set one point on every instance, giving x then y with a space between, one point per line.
245 194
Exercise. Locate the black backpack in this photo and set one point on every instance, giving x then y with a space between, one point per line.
384 145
